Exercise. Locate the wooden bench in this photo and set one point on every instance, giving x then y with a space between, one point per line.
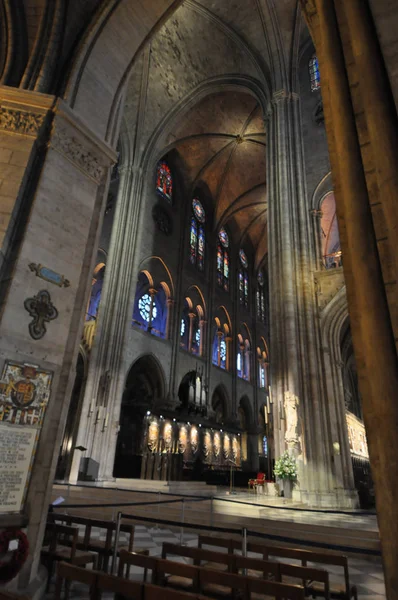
215 560
104 548
177 575
229 544
62 546
341 592
136 559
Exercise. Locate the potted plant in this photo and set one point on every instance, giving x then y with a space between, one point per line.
286 470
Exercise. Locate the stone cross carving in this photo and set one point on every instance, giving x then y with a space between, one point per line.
43 311
291 405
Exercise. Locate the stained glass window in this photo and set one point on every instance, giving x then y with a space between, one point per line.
315 77
239 364
144 306
182 330
223 353
197 336
262 376
193 241
223 236
164 181
260 296
197 241
241 287
198 210
246 290
201 249
220 265
223 259
243 258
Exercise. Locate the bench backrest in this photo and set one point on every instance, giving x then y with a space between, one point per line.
279 591
136 559
156 592
306 575
118 585
198 555
170 567
61 535
68 572
236 583
229 544
267 568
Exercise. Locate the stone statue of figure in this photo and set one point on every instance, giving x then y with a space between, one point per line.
291 414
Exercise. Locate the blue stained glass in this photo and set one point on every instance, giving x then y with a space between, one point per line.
314 74
193 240
239 363
246 292
182 330
197 337
226 271
241 287
223 236
223 352
201 248
198 210
260 278
144 306
243 258
219 258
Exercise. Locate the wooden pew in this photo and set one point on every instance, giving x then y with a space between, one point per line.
177 575
229 544
124 588
136 559
214 560
155 592
340 592
62 546
104 548
70 573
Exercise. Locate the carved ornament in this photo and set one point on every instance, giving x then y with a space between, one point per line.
20 121
43 311
78 154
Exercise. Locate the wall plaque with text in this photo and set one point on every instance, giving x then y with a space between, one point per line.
24 394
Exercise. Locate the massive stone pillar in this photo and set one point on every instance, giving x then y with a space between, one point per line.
301 417
370 318
99 425
55 175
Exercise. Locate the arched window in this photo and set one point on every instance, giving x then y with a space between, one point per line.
315 77
164 181
192 326
260 297
220 350
331 250
96 291
223 259
184 327
243 357
263 365
197 239
243 279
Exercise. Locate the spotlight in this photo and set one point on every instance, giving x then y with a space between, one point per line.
148 412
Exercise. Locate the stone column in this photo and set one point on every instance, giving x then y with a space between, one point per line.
58 193
152 293
316 222
169 320
202 328
297 377
369 315
190 334
105 380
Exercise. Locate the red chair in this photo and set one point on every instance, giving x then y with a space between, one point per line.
254 483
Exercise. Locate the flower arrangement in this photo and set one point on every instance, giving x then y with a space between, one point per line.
285 467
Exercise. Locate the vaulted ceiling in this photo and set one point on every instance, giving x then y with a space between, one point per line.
222 141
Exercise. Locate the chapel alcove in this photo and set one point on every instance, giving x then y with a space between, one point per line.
144 386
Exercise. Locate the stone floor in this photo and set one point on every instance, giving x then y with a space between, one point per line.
367 575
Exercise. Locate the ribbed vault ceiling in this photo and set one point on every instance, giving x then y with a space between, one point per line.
222 142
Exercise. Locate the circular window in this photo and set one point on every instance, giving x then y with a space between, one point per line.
144 306
198 210
243 258
223 237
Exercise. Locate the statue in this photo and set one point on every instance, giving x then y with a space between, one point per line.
291 406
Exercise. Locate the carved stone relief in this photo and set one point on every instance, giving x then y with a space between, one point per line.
77 153
20 121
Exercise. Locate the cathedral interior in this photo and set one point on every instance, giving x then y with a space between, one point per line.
197 261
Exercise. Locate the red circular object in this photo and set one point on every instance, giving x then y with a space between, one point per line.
10 568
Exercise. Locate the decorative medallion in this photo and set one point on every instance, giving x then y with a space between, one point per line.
243 258
49 275
194 439
162 220
24 386
216 444
43 311
226 446
198 210
223 237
